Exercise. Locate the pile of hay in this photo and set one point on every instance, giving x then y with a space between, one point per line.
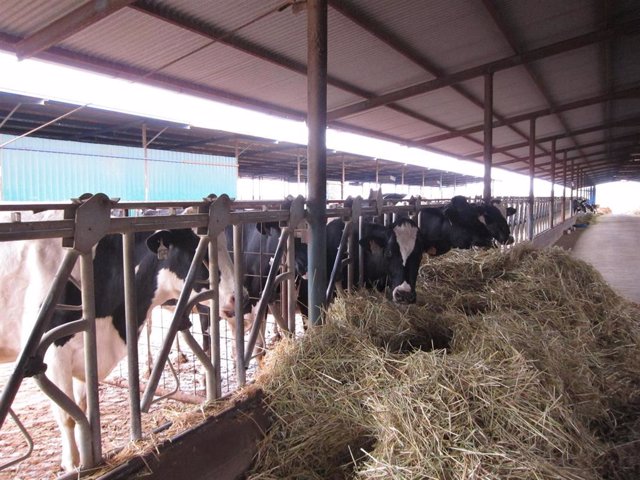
511 365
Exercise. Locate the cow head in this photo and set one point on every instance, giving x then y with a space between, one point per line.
301 257
495 216
175 250
467 226
392 258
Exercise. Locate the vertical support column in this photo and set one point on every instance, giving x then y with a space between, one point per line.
572 175
564 186
291 283
131 317
298 161
343 179
317 154
146 162
377 174
553 182
488 134
532 168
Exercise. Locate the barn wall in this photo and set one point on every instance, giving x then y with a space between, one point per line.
37 169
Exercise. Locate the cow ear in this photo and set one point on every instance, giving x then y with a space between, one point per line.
159 243
510 211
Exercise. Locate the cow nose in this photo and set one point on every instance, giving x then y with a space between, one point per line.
402 296
510 240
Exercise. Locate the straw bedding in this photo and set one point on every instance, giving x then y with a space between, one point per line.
517 365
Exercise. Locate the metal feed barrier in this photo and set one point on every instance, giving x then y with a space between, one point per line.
88 219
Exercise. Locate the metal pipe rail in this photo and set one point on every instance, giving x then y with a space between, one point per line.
545 214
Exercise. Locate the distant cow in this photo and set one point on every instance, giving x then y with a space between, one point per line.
27 269
460 224
581 205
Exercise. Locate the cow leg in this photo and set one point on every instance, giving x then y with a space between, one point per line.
60 368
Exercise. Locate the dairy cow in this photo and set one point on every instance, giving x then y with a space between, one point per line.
463 225
259 243
392 256
27 269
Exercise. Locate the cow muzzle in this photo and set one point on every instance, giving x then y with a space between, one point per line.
228 308
404 294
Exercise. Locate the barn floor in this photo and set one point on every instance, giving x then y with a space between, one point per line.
611 244
33 407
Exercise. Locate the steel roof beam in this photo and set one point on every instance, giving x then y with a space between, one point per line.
509 36
623 138
68 25
627 122
631 27
220 36
586 102
379 31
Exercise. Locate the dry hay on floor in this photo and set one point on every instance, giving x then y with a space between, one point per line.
534 374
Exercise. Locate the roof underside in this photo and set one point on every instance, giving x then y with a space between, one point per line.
412 72
257 157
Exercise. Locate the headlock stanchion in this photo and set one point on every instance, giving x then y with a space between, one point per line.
218 210
220 206
296 215
92 220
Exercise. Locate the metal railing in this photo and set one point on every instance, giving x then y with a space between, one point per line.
88 219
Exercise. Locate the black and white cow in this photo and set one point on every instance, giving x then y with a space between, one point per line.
27 269
259 244
581 205
494 215
392 256
460 224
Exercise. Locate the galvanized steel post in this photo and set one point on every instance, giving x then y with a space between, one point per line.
317 154
132 335
488 134
238 281
90 356
553 182
564 186
532 167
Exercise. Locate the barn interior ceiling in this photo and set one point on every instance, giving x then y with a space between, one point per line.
257 157
564 76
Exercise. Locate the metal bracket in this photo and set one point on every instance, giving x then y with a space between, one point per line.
356 208
92 221
296 211
377 201
219 215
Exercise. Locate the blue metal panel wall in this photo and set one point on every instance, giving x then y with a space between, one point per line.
187 176
36 169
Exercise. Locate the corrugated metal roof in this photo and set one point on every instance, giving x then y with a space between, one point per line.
377 47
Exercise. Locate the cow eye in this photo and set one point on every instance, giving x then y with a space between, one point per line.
388 253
